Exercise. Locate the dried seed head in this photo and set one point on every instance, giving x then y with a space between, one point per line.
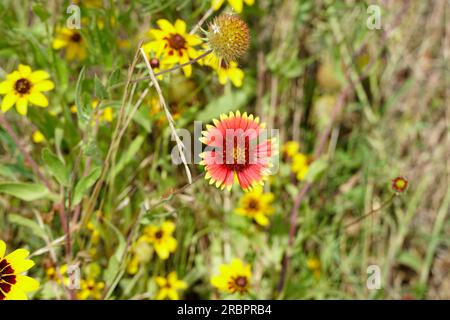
228 37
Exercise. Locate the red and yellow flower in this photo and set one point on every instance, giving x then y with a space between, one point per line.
237 150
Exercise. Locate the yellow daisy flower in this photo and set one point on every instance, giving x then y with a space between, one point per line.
300 165
291 148
141 254
237 5
52 274
168 287
13 285
314 265
234 277
174 43
72 41
24 86
161 238
256 205
225 71
37 137
90 289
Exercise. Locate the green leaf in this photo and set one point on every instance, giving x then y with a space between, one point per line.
316 169
56 166
42 13
100 91
84 184
28 223
128 155
114 77
24 191
83 115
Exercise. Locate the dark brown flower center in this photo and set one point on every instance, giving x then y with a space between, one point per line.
241 282
223 64
7 278
253 205
22 86
177 42
159 234
154 62
75 37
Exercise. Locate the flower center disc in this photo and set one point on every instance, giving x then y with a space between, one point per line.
159 234
154 63
177 42
76 37
22 86
241 282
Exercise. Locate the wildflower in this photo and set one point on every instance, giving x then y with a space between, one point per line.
314 265
174 43
52 274
161 238
234 277
90 289
72 41
240 151
237 5
399 184
300 166
291 148
95 233
226 71
24 86
37 137
168 287
256 205
141 253
13 285
228 37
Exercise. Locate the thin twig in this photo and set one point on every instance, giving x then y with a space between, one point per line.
162 101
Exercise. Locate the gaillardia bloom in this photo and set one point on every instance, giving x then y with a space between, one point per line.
173 43
161 238
13 285
256 205
234 277
237 149
168 287
72 41
23 86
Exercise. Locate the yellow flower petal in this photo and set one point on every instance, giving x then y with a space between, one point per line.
26 283
216 4
38 76
24 70
161 281
2 248
22 106
59 43
16 294
165 25
180 26
38 99
236 5
8 101
6 87
45 85
168 227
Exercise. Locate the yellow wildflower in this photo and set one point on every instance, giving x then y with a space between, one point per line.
72 41
237 5
168 287
14 285
314 265
37 137
234 277
104 114
291 148
24 86
256 205
90 289
161 238
173 43
226 71
300 165
141 254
